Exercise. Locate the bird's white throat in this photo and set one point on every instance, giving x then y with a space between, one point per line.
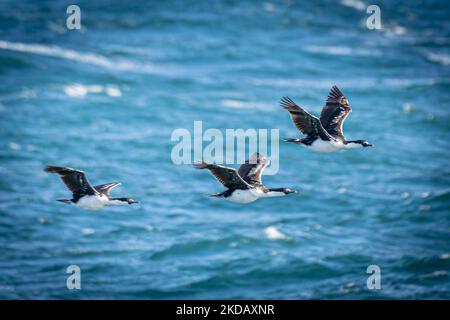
273 194
353 145
116 203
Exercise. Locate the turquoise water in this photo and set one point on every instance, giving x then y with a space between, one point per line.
106 99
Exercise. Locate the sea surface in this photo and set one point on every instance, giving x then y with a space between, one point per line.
106 98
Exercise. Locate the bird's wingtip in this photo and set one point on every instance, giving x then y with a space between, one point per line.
200 165
51 169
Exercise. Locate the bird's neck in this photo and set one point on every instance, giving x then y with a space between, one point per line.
277 192
353 145
117 201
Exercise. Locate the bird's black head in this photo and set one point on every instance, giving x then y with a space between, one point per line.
365 143
283 190
125 200
362 143
131 201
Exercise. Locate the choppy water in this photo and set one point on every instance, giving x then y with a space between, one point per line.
107 98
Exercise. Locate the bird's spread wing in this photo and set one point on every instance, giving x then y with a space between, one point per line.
334 113
74 180
226 176
308 124
104 188
252 169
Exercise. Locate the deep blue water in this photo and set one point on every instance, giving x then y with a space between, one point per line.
106 99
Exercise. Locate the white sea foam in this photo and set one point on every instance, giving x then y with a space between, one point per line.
41 220
405 195
394 30
273 233
82 57
149 228
445 256
14 146
78 90
87 231
424 207
233 244
440 58
236 104
341 50
75 90
361 83
408 107
332 50
425 194
95 88
349 287
355 4
341 190
435 274
398 82
113 91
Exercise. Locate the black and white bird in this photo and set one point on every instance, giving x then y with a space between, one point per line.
85 196
243 185
324 134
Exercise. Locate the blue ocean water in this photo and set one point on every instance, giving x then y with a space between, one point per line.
106 98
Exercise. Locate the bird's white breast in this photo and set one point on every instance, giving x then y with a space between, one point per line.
325 146
92 203
244 196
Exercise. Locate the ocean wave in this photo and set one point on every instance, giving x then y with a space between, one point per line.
292 270
87 58
196 247
273 233
15 146
390 29
394 29
445 256
79 90
132 50
362 83
355 4
236 104
440 58
87 231
435 274
341 50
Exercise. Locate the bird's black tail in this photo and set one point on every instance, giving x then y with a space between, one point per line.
64 201
294 140
217 195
